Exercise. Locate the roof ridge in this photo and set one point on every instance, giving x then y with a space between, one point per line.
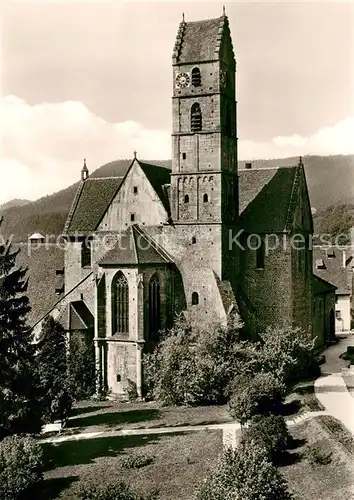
292 195
160 250
73 206
103 178
134 244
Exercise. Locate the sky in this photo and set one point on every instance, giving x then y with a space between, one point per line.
84 79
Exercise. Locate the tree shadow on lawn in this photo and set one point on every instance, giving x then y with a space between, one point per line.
52 487
85 451
116 418
292 454
86 409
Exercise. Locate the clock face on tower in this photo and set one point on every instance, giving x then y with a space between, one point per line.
182 80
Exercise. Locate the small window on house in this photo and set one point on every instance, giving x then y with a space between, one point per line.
338 315
86 254
186 198
132 217
320 264
330 253
205 198
135 189
196 78
260 255
184 156
196 118
194 240
195 299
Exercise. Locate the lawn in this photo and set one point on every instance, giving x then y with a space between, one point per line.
179 460
332 481
107 415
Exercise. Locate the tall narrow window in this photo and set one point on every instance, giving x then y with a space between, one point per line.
195 299
260 255
196 78
205 198
186 198
154 306
196 118
120 304
86 254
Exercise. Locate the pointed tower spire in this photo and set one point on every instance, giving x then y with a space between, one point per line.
223 10
84 172
300 162
183 21
135 153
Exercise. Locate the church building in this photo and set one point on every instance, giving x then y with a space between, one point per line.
201 237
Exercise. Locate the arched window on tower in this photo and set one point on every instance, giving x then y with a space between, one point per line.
120 304
205 198
195 299
196 78
196 118
186 198
86 254
154 306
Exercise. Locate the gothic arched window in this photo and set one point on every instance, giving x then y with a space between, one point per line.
205 198
196 78
195 299
196 118
186 198
154 306
120 304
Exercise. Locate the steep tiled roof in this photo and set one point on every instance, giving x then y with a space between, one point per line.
158 177
135 247
266 198
320 285
199 41
42 262
90 204
333 270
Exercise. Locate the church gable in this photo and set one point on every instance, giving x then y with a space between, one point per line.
143 186
301 217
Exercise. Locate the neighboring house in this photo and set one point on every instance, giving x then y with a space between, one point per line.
36 238
335 265
202 237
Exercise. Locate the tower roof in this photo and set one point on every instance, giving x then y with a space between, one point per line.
200 41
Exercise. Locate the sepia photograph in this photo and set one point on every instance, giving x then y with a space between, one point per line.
176 250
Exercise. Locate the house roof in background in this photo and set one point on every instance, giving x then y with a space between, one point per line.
320 286
332 270
133 248
42 263
265 197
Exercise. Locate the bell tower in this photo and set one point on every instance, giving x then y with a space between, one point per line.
204 178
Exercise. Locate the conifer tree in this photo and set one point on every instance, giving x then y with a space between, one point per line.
19 402
52 365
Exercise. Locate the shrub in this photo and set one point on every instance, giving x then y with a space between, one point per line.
244 474
131 390
270 432
21 467
116 490
193 362
315 456
260 394
136 461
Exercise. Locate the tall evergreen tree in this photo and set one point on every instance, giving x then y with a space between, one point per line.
19 402
52 365
82 369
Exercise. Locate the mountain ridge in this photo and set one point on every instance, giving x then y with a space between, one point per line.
330 182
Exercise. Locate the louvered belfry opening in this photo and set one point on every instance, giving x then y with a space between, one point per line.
120 304
196 78
154 306
196 118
